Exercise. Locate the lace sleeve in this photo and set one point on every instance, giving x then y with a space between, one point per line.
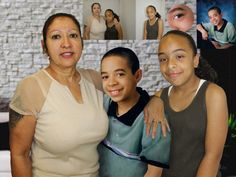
28 98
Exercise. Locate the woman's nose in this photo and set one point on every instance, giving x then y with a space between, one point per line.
66 42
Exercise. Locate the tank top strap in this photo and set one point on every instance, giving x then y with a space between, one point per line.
199 86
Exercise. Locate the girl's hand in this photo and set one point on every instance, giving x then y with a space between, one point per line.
154 114
115 21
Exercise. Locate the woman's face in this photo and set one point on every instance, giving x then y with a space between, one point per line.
180 17
109 16
151 13
96 9
64 43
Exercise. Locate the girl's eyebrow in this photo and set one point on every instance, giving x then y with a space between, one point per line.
176 50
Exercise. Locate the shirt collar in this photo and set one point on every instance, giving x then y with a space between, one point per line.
222 28
129 117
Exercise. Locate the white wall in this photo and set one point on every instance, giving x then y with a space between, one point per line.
141 14
127 10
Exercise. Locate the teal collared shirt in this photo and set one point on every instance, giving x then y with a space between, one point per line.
226 34
131 138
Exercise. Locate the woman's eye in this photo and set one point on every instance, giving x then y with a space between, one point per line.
56 36
162 60
73 35
104 77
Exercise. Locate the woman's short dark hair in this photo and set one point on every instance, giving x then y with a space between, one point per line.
127 54
95 3
52 18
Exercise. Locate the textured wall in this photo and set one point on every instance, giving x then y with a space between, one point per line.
21 54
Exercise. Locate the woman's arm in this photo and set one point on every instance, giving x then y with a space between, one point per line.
87 27
160 29
145 30
21 136
217 114
86 32
153 171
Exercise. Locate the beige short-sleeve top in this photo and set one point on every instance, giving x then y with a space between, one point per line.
67 133
97 27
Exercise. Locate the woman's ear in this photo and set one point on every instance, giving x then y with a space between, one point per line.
44 47
138 75
196 60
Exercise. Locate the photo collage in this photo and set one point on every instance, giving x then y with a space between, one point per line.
169 62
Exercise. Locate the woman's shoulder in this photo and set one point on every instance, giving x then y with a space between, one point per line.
91 76
32 77
88 72
89 20
40 75
33 83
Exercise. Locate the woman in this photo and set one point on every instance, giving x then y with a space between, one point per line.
196 108
153 27
95 25
114 29
57 117
47 108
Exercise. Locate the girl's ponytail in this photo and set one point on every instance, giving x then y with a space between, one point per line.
205 71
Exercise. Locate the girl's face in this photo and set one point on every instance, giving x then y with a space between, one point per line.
180 17
109 16
151 13
96 10
176 59
64 43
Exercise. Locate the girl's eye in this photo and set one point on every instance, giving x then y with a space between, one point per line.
74 35
56 36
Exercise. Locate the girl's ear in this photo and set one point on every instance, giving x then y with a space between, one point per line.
196 60
138 75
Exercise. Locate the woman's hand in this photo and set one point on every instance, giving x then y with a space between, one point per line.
154 114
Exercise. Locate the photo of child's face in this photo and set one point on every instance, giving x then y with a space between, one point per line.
151 13
109 16
180 17
215 17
